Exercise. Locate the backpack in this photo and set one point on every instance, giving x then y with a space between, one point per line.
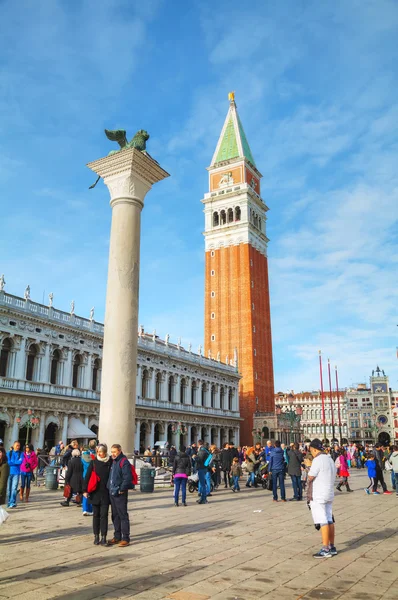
134 476
337 463
208 459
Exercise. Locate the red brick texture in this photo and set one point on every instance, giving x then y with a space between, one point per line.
242 320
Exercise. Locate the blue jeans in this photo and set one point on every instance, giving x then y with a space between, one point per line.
12 486
297 486
251 479
278 476
236 482
202 484
26 478
394 480
86 506
180 483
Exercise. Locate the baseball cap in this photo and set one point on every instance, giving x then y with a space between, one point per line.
317 444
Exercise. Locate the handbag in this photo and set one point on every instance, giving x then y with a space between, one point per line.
388 465
93 481
67 490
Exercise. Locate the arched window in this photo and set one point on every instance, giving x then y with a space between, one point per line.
96 382
158 391
216 219
230 215
183 385
237 213
223 216
31 362
171 388
193 392
54 375
213 396
4 356
222 396
203 395
230 399
145 384
77 362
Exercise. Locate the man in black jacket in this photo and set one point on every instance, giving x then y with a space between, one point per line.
226 462
294 470
119 482
379 456
201 457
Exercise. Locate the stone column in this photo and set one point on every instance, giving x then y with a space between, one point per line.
20 364
152 434
188 391
137 435
88 375
45 365
67 375
152 383
14 432
65 429
129 175
42 428
139 380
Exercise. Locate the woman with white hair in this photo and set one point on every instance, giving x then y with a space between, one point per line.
74 478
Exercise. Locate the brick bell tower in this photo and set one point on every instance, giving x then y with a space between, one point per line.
237 303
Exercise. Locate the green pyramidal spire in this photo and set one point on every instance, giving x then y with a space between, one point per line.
233 142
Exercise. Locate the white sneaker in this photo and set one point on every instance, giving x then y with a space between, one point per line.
85 513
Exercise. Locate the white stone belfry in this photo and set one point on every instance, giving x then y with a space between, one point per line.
128 175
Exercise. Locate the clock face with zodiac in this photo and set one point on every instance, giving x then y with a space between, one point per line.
379 388
382 419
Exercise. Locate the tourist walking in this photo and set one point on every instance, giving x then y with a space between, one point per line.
181 472
29 464
320 495
86 459
276 469
379 458
203 459
225 462
119 482
394 464
250 466
99 496
236 473
15 458
294 469
343 471
370 464
74 478
4 474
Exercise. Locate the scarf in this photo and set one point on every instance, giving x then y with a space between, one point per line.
105 459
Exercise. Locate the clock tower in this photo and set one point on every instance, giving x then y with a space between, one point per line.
237 303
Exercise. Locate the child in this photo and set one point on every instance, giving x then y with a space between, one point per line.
370 464
343 471
236 472
304 475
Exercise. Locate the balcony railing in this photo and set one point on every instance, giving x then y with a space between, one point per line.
191 408
47 388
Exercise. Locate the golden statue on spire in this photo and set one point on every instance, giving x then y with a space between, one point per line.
231 97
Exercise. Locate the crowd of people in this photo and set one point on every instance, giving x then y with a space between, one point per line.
96 480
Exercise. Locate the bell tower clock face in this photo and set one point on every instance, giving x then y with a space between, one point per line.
379 388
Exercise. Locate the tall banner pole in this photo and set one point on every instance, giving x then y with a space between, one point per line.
338 405
322 396
331 399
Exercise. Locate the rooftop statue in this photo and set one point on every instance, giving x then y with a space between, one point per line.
119 135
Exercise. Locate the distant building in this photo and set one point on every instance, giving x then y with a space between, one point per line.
50 379
371 410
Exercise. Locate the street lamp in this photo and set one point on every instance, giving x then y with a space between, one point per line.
32 423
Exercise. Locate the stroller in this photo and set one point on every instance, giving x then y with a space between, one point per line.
262 476
193 483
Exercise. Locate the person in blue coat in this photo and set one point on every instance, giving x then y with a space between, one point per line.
276 468
87 508
15 458
119 482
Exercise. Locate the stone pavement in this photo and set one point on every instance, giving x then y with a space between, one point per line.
220 551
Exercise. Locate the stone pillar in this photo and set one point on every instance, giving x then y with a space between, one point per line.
129 175
218 438
189 435
20 364
14 432
151 434
137 435
88 376
65 429
67 375
45 365
42 428
188 391
152 383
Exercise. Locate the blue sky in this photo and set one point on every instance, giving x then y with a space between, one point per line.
316 89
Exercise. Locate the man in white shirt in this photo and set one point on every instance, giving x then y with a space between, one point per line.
322 476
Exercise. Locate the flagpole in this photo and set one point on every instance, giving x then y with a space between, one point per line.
338 405
323 397
331 400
